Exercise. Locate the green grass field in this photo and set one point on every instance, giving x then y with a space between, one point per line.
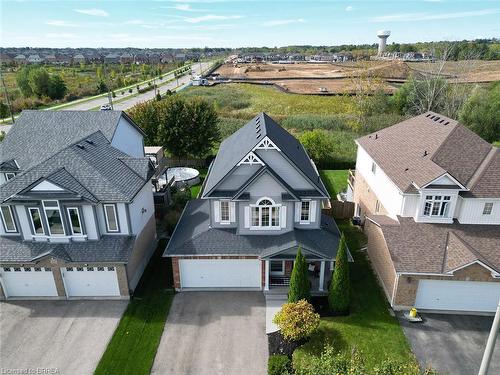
334 180
132 348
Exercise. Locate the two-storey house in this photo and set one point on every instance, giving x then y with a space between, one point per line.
260 202
76 206
428 190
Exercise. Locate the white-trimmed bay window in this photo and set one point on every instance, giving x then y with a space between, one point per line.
8 221
54 218
265 214
111 218
437 205
36 221
74 221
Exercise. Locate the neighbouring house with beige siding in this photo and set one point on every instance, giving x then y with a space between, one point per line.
428 193
76 206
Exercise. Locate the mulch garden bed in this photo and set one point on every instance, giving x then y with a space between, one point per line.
279 345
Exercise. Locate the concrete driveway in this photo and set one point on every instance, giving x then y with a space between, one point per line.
214 333
69 336
451 344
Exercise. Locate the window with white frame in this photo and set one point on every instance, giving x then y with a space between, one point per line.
437 205
488 207
8 221
277 267
74 220
36 220
9 176
53 216
305 214
111 218
224 211
374 167
265 214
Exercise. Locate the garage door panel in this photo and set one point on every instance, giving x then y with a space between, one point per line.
220 273
28 282
458 295
90 281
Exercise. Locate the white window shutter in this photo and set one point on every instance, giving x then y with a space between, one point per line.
283 216
217 211
247 217
232 212
297 211
312 211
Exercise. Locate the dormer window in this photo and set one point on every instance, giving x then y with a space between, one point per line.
437 205
265 214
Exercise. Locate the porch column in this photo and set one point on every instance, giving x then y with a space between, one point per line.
266 270
321 275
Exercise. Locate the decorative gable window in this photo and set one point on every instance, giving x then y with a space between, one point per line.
437 205
488 207
266 214
8 219
250 159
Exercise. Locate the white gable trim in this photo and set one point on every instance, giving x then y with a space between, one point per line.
47 186
493 272
450 177
266 144
250 159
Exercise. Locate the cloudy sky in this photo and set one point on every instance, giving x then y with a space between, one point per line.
236 23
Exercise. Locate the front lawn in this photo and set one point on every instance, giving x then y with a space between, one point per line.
369 328
334 180
132 348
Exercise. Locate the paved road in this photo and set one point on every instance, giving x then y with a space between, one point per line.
451 344
127 103
68 335
214 333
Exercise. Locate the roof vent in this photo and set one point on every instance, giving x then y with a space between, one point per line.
376 135
428 115
441 121
446 123
258 135
89 141
426 153
80 146
437 118
407 169
432 117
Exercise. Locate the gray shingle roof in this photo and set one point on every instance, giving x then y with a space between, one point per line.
424 148
194 236
37 135
107 249
438 248
240 143
97 172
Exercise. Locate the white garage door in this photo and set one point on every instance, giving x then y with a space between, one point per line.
220 273
28 282
458 295
90 281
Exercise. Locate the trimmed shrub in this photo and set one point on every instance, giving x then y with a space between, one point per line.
297 321
300 286
278 365
339 291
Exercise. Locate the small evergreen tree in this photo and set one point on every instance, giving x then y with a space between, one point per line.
300 286
339 291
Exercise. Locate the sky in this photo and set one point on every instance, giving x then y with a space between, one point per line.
240 23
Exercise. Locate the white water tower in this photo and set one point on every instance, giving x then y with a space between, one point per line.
383 35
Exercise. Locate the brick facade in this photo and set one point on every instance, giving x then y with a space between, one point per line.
176 268
365 198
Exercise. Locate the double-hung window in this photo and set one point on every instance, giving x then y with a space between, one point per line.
266 214
54 219
74 221
305 214
437 205
224 211
36 221
8 219
111 218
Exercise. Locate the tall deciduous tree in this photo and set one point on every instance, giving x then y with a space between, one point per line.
300 286
57 87
39 80
339 291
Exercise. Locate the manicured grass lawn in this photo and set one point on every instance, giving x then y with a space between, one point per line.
132 348
369 328
335 180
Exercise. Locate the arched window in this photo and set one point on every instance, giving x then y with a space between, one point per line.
266 214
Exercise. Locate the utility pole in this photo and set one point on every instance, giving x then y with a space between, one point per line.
110 97
7 96
490 345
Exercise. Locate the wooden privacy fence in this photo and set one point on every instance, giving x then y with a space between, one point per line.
179 162
341 210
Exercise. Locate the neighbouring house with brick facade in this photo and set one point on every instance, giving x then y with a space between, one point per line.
76 206
260 202
428 192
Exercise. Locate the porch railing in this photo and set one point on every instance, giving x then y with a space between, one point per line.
279 281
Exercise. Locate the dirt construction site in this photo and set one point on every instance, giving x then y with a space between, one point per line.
351 77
